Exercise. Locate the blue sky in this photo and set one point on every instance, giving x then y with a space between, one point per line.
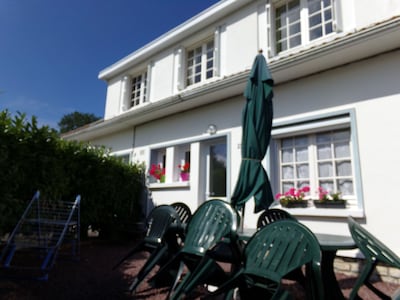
51 51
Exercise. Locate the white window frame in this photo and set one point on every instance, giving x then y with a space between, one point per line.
193 77
178 149
272 7
139 89
318 124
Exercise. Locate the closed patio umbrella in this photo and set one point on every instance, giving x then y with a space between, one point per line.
256 134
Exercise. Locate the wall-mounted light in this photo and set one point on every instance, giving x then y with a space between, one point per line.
212 129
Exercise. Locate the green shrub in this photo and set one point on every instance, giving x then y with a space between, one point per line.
35 158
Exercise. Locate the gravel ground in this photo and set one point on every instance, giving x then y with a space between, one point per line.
93 278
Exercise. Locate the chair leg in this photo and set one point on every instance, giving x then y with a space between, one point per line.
365 274
148 266
377 292
206 267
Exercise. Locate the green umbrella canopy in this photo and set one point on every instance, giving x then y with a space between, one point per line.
256 134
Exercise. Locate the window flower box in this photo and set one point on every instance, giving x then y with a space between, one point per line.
293 198
294 204
329 200
341 203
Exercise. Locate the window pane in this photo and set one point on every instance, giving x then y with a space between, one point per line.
328 28
295 41
325 169
314 20
328 185
323 137
287 155
217 178
327 15
302 184
302 154
345 187
287 172
301 141
341 135
287 142
302 171
343 168
294 5
314 6
342 150
324 151
315 33
287 186
294 29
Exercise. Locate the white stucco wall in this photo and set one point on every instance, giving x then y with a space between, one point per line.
241 40
120 141
162 79
376 104
113 98
372 11
370 87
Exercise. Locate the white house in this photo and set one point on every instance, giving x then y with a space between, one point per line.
335 64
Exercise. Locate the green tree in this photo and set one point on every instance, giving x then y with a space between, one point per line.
75 120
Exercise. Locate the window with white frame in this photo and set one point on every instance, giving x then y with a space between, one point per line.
317 154
139 90
317 160
297 22
200 63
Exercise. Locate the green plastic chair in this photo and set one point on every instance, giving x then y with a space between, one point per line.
375 252
183 211
273 252
215 221
159 241
275 214
272 215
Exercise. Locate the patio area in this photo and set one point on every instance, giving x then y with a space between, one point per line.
92 278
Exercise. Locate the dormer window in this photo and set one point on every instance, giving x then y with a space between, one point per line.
139 90
200 63
298 22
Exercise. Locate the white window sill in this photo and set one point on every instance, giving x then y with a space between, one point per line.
169 185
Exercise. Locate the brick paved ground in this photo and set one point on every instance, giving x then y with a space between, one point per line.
92 278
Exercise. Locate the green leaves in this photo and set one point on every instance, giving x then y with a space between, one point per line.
35 158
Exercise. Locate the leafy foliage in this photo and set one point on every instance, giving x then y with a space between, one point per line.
33 158
75 120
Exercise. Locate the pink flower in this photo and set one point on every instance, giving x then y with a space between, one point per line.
293 194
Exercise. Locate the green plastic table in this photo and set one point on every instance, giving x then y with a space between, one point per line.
330 244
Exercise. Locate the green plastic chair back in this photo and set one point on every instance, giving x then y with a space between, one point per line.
158 241
272 215
158 222
374 252
273 252
212 221
183 211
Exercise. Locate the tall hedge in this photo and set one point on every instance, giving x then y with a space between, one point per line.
36 158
